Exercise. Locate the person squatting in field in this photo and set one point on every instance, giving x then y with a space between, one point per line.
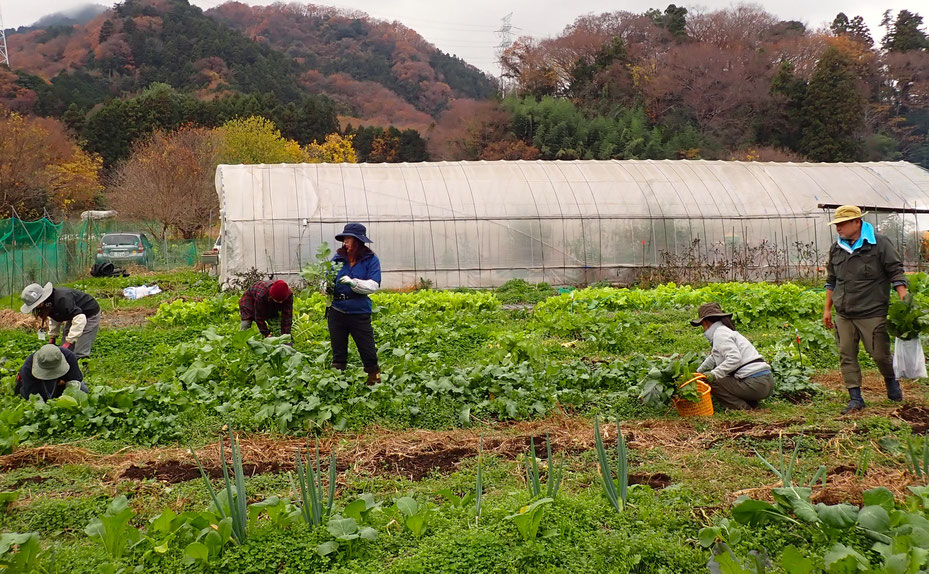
47 373
737 374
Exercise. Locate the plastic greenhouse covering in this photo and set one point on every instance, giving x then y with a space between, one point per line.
479 224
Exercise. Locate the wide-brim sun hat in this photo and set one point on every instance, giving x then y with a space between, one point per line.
847 213
34 295
49 363
355 230
707 311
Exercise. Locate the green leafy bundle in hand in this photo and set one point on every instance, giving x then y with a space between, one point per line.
323 272
907 318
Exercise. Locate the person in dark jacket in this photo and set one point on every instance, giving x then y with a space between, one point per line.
350 312
47 373
267 301
863 265
73 314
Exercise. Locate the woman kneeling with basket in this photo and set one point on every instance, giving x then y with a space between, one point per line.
737 374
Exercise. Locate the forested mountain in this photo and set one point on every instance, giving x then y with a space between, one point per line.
376 72
344 52
738 82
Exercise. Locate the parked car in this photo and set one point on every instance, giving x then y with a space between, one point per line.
126 247
218 246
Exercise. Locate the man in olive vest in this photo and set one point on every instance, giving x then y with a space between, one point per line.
863 265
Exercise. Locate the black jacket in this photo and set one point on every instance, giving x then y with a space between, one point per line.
68 303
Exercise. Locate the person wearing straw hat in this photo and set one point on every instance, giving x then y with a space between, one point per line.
68 311
47 373
862 267
737 374
350 312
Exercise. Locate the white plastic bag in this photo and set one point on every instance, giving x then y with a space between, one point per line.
141 291
909 360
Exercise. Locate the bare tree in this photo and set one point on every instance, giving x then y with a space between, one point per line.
168 182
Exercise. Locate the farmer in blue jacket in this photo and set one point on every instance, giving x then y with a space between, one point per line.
350 313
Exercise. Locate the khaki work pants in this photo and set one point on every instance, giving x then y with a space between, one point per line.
733 393
873 333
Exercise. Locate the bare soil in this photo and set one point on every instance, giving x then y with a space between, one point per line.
173 471
916 415
123 318
415 454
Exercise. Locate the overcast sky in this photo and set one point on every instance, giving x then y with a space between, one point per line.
468 28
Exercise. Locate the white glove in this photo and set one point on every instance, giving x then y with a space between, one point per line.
324 287
346 280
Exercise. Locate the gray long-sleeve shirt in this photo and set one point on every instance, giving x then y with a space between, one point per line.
731 350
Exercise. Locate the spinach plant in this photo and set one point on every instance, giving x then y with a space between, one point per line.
529 517
113 530
346 534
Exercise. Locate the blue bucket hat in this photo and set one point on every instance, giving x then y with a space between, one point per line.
355 230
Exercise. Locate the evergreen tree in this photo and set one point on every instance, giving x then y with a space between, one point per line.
673 19
903 34
833 110
106 30
855 29
74 117
781 125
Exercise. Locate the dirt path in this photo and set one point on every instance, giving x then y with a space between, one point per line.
112 319
124 318
414 454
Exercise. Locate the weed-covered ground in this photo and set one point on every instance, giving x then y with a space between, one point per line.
430 466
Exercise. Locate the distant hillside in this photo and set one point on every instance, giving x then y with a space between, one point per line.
78 15
376 72
342 47
145 41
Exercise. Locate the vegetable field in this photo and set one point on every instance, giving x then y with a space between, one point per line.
516 430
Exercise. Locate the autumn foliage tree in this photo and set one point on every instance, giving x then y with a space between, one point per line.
257 140
336 149
42 169
168 180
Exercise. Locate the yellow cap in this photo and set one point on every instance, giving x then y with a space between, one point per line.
847 213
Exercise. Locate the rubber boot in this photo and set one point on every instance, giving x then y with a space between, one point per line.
855 403
374 375
894 392
339 366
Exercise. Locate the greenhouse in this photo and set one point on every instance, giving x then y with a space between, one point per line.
479 224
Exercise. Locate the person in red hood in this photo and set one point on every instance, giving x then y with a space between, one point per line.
267 301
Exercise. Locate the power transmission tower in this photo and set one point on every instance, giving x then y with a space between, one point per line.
505 34
4 53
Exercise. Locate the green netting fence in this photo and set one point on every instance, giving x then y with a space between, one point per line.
42 250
